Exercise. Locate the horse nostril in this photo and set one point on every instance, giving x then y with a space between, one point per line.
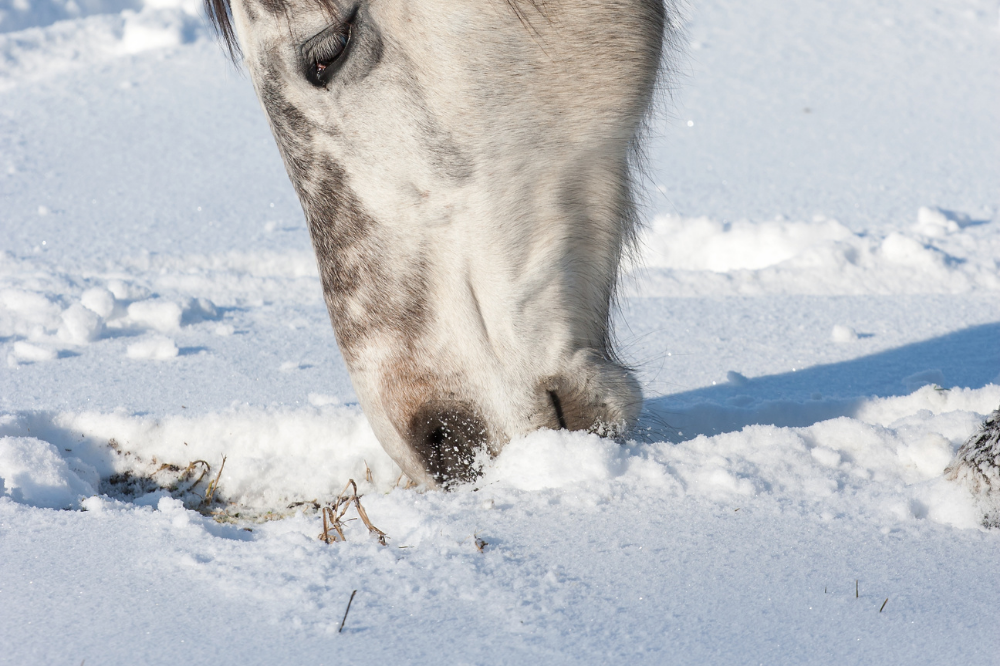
557 405
438 437
447 438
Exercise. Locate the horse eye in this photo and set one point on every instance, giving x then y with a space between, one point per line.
324 56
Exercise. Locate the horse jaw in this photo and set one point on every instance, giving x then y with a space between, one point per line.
466 181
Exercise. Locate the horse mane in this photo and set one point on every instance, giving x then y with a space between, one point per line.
220 15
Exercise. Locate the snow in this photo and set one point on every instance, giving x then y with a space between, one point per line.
819 257
814 319
155 347
841 333
35 474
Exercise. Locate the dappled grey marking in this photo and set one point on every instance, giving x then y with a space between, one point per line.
445 155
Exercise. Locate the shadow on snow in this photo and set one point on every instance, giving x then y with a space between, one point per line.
967 358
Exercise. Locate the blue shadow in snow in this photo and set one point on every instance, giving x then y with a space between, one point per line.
967 358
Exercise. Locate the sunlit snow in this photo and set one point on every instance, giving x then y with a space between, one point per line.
814 316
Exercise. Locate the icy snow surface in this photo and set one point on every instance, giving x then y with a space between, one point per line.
816 322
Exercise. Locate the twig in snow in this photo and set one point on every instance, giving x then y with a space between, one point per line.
189 471
409 482
883 604
368 473
214 485
335 520
339 508
364 518
855 588
347 611
325 535
335 513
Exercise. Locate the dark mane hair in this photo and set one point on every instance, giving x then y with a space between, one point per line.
220 15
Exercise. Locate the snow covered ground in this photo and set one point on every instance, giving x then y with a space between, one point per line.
816 324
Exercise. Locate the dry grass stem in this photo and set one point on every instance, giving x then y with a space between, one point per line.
409 482
333 515
349 601
313 503
212 487
332 523
189 471
883 604
368 473
855 588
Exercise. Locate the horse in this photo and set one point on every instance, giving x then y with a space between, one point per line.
467 169
467 173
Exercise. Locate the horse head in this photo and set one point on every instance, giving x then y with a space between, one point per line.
465 167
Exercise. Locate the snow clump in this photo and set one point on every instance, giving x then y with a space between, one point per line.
33 472
158 314
841 334
80 325
153 348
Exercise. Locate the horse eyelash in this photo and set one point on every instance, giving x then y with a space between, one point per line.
332 49
323 51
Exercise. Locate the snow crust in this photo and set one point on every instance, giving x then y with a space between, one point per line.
32 472
940 252
892 453
38 37
813 313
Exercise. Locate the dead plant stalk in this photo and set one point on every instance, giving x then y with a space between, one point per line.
333 515
214 485
348 610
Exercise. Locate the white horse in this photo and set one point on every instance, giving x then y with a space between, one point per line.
466 169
